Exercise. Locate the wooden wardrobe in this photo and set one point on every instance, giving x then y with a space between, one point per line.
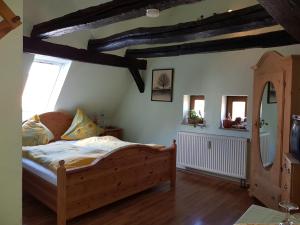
281 180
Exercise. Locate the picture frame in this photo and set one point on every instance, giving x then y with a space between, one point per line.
271 94
162 85
8 20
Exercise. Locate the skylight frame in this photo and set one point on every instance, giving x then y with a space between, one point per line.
56 88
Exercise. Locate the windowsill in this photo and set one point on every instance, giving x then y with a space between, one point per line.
234 129
192 125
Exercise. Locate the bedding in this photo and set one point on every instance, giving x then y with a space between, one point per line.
75 153
35 133
81 127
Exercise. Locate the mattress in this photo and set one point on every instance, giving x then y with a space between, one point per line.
40 171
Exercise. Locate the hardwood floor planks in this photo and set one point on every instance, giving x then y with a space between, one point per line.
198 200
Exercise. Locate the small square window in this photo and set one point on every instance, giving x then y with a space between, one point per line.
234 112
194 110
236 107
197 103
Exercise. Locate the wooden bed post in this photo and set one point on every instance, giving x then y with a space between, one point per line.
173 165
61 194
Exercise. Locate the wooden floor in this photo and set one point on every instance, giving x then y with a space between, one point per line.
198 200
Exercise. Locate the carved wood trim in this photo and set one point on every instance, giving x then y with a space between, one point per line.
10 20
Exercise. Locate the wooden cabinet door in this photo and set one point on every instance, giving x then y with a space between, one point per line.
265 183
290 179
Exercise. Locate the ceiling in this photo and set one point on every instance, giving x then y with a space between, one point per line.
39 11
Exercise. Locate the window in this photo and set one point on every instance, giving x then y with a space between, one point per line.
197 103
43 86
193 110
236 107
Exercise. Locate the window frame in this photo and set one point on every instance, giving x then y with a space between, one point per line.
231 99
193 98
64 67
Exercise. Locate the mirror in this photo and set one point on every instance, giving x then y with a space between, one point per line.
268 125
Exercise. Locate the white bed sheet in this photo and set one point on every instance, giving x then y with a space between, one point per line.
40 171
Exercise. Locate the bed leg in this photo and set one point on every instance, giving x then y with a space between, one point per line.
173 165
61 194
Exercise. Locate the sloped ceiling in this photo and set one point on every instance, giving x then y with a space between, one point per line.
36 12
39 11
172 16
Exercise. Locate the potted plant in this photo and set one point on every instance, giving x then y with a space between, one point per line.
194 118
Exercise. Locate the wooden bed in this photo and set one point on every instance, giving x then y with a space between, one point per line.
119 175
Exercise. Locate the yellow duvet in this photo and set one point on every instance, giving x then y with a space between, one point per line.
74 153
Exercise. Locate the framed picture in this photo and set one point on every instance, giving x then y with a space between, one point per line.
162 85
271 93
8 20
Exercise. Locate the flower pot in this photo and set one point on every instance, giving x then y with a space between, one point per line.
195 121
227 123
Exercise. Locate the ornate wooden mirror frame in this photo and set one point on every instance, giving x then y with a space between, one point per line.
8 20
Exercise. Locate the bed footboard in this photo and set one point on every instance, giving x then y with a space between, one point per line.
121 174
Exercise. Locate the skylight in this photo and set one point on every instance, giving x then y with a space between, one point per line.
43 86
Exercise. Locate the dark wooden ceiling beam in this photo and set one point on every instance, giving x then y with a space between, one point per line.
104 14
35 46
62 51
286 13
246 19
137 78
266 40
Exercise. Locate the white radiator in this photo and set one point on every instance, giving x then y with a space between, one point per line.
264 148
216 154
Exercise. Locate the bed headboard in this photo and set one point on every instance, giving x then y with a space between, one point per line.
57 122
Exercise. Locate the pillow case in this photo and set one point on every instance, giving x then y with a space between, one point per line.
81 127
35 133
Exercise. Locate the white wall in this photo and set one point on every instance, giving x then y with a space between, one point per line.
10 120
213 75
95 88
